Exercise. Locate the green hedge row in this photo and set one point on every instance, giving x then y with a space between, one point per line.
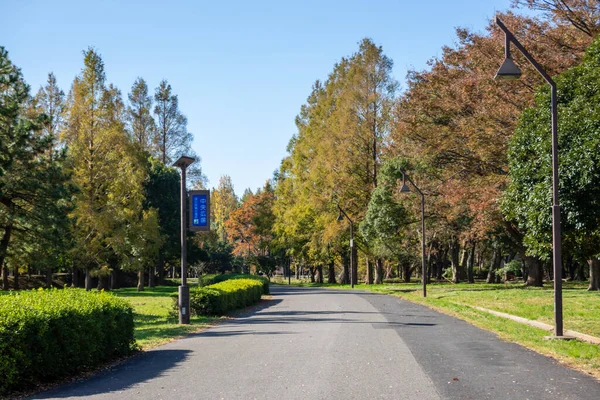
212 279
49 334
222 297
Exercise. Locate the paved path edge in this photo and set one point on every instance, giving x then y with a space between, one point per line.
540 325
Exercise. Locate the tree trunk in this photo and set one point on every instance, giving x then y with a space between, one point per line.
594 264
331 276
369 277
297 271
160 269
114 279
48 278
345 278
470 263
16 277
454 251
496 258
571 267
535 272
378 271
88 280
103 282
320 274
407 271
140 283
312 274
151 276
3 251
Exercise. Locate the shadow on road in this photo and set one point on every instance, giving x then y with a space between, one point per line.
146 366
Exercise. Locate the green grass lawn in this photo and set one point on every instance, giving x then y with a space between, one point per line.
581 313
155 321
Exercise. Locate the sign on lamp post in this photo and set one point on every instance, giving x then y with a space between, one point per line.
199 210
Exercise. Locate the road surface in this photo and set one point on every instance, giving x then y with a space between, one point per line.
310 343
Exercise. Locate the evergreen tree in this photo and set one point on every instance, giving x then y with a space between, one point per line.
34 190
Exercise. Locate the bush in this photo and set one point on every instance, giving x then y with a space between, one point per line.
49 334
222 297
226 277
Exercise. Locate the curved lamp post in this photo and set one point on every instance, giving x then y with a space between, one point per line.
352 261
184 291
509 71
406 189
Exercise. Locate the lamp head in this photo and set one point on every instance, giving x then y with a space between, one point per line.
508 71
184 162
340 217
404 188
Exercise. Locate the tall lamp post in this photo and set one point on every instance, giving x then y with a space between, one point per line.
406 189
509 71
184 291
352 260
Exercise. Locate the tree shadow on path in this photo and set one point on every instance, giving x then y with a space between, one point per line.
144 367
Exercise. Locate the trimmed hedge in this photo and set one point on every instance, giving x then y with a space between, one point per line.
49 334
222 297
212 279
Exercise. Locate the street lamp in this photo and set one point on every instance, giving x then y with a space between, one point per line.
509 71
352 260
184 291
406 189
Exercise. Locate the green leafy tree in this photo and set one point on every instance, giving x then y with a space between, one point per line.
162 194
34 189
528 198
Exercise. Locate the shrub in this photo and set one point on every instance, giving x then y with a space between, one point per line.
226 277
48 334
222 297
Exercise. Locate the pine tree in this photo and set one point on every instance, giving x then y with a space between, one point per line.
34 190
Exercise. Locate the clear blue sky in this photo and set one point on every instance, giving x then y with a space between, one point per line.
241 69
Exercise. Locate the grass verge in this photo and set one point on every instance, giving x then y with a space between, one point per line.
155 323
581 313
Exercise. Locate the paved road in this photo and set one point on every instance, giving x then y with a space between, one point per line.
327 344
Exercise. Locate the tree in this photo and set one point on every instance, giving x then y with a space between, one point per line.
223 202
50 100
172 138
250 227
162 193
584 15
109 204
141 125
528 197
34 189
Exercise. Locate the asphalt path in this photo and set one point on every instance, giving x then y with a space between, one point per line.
310 343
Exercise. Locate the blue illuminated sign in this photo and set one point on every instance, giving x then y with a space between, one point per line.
199 210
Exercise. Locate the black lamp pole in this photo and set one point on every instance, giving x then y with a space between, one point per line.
405 189
509 71
184 291
352 260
